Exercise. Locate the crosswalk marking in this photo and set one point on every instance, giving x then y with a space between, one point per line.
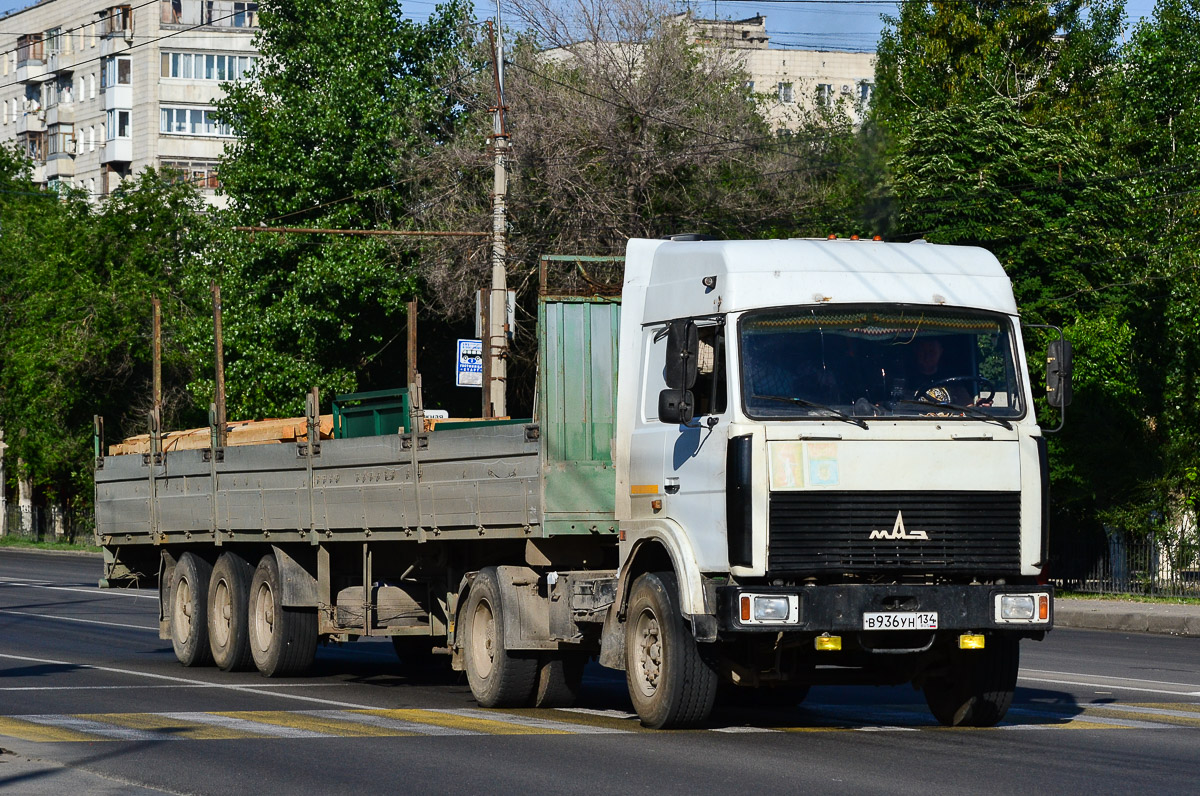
90 726
402 722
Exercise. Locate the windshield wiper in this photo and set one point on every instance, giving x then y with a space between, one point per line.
787 399
970 411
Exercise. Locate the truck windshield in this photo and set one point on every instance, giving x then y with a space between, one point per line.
898 362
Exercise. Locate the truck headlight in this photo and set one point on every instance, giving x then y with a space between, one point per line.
1016 606
1022 608
769 609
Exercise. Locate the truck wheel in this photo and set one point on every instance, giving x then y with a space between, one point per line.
670 684
498 677
189 607
977 690
283 641
229 612
560 676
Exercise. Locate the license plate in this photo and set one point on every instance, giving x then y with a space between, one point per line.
900 620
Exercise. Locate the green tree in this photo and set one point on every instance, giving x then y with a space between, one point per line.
998 121
74 336
340 92
1158 139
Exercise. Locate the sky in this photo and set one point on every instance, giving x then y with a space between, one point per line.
794 24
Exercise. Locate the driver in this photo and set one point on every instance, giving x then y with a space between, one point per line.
931 381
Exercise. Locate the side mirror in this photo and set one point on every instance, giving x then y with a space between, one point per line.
683 348
1058 373
676 406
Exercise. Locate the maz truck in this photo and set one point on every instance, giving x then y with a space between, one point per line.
765 464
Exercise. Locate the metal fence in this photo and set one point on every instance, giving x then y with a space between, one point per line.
1113 563
41 524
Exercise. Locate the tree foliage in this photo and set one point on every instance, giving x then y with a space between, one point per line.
75 290
1031 130
340 91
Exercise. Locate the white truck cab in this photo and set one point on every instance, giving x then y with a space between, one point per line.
833 443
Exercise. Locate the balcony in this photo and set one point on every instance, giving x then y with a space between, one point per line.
119 150
62 113
59 165
31 122
62 63
118 98
31 70
114 46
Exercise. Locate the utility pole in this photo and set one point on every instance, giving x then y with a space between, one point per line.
495 334
157 358
219 349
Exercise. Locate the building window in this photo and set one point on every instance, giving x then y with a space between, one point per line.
34 145
865 91
116 71
118 124
91 138
825 94
91 86
191 121
29 48
201 174
116 21
218 13
785 92
54 41
205 66
60 139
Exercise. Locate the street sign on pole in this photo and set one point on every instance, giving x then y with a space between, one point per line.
469 368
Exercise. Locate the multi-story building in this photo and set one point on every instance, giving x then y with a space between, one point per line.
95 92
791 82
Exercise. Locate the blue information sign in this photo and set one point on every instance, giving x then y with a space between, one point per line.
469 372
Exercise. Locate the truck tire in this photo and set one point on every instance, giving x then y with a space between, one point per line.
283 640
560 676
670 683
189 609
977 690
499 678
229 612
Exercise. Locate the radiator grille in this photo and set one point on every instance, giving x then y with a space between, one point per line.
828 532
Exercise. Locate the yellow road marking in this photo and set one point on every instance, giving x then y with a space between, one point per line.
489 726
41 733
170 725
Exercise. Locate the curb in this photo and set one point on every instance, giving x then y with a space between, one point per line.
43 552
1166 619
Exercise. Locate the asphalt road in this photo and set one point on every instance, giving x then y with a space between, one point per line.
91 701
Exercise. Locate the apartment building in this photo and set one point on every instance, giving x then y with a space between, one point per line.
792 82
95 92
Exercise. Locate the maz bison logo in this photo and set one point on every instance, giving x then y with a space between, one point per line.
898 531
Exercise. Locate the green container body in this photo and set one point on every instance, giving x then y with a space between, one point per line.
577 397
371 414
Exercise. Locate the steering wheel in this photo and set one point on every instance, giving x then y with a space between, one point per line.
980 383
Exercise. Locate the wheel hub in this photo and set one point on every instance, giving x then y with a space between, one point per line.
649 653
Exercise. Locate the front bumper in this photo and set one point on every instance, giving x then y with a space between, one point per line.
840 608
